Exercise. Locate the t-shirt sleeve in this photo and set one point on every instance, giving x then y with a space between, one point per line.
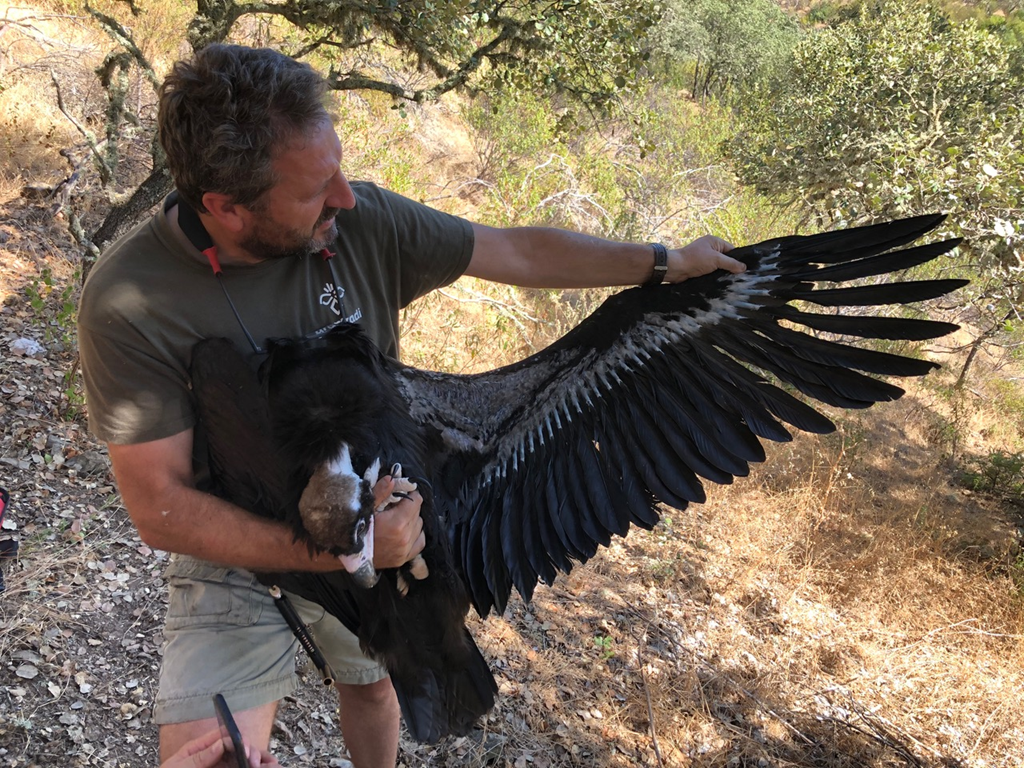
131 396
434 248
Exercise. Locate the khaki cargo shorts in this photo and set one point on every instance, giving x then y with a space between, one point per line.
225 635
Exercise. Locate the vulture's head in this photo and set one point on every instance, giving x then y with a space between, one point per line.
337 512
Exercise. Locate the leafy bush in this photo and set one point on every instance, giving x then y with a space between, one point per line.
899 111
998 473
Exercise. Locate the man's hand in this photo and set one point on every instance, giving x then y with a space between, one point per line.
702 256
213 750
398 530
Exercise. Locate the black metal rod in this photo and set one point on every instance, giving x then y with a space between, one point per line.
301 632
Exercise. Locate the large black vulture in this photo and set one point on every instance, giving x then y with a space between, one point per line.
527 469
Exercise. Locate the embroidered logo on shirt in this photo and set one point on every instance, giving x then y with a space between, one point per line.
333 298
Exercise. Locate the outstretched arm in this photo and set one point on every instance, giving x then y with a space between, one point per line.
543 257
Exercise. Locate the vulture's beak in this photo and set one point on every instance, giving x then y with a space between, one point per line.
360 564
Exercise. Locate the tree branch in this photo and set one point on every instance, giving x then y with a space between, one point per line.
106 172
123 37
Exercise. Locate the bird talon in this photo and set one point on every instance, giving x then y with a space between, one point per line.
418 568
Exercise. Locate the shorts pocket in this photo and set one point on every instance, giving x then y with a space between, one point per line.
203 594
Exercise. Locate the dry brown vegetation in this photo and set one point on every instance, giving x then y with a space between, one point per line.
850 604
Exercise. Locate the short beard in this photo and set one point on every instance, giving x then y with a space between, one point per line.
267 246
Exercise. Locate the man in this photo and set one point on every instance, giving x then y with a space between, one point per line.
256 162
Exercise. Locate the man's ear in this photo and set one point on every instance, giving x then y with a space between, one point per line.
227 214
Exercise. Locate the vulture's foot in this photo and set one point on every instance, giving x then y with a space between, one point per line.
417 568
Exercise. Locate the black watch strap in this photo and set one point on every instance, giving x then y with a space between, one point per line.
660 266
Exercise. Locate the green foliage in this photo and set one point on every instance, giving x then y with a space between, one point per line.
899 111
585 47
999 473
410 51
832 12
55 308
533 174
606 646
728 44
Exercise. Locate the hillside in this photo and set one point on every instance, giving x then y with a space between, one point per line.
851 603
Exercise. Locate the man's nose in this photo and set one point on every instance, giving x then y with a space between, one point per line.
340 194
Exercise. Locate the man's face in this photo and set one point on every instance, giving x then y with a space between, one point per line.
296 216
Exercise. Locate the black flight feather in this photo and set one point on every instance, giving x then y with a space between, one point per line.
874 295
885 264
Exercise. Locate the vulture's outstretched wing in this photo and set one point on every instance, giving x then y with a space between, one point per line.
544 460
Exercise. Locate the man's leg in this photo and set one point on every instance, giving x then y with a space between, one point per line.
255 725
369 718
224 635
369 713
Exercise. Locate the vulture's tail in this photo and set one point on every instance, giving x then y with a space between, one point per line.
447 700
442 681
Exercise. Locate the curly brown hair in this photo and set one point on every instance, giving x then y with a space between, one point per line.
223 114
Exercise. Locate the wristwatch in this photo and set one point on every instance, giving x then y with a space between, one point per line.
660 266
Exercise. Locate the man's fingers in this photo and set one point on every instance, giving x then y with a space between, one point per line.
726 262
382 490
721 245
203 752
398 533
731 265
418 545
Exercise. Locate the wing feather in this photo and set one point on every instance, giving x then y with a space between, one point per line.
669 480
689 435
777 402
537 536
836 386
566 525
622 471
606 498
550 547
874 295
875 265
578 508
731 432
514 545
499 580
832 353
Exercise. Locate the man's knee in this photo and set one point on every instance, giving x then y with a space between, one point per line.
371 694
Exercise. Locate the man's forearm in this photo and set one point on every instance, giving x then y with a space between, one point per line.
543 257
194 523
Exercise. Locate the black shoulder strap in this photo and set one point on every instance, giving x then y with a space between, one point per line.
192 226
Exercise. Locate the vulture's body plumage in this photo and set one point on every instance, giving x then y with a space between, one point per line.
528 469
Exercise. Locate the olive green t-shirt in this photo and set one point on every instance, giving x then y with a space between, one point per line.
150 298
